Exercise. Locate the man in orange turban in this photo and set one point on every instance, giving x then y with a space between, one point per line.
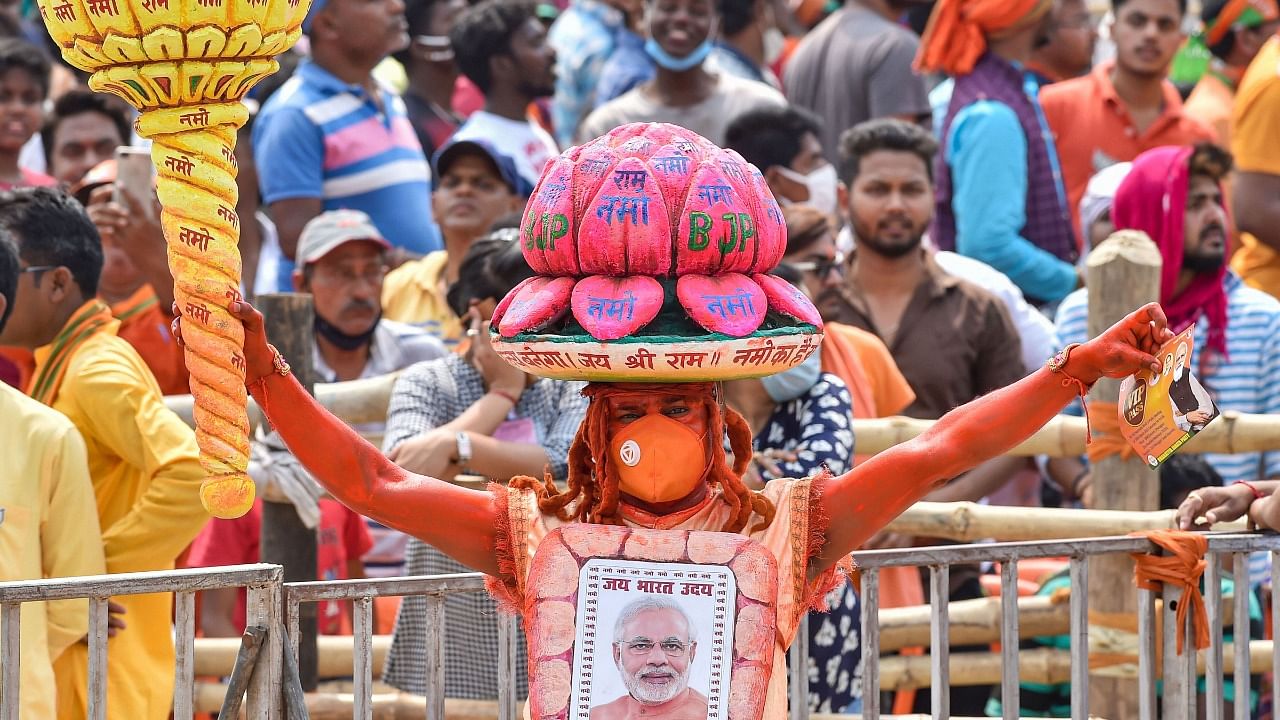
1000 193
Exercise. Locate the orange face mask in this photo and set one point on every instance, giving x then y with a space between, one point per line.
658 459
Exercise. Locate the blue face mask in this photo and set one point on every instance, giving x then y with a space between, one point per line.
674 64
791 384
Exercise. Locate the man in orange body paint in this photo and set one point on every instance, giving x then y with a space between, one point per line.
686 420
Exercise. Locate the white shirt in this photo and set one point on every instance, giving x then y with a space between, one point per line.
523 141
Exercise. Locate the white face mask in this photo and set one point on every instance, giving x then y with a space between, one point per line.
774 43
821 184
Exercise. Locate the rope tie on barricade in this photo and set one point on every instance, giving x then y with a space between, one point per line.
1183 566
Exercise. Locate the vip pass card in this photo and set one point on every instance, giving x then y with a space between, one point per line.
1160 412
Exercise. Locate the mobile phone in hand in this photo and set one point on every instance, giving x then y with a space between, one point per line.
135 174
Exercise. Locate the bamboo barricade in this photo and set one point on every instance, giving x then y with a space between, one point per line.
1044 666
972 522
365 401
215 656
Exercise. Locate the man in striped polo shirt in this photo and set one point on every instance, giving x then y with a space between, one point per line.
1173 194
334 137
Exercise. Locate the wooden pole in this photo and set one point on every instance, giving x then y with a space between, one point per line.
290 322
1123 274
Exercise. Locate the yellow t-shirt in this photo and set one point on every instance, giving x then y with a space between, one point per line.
1253 143
146 477
412 294
48 528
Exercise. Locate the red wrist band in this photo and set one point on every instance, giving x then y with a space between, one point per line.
1257 495
504 394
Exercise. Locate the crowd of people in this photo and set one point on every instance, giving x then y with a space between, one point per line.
944 168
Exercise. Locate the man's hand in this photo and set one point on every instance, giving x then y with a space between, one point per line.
433 453
497 373
133 227
258 357
1214 505
114 622
1197 417
1127 347
1083 489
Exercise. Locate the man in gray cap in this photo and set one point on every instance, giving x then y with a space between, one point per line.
342 262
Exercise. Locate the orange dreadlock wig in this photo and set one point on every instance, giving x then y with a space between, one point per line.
592 492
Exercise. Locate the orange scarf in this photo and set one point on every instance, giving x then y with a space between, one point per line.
958 29
92 318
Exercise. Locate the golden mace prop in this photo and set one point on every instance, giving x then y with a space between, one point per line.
185 65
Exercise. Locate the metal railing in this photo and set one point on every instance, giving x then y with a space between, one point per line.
263 583
1180 672
267 595
435 588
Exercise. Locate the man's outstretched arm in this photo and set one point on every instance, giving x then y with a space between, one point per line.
461 523
864 500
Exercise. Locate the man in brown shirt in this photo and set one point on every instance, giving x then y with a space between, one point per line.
953 341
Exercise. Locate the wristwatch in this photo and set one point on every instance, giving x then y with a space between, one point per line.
464 448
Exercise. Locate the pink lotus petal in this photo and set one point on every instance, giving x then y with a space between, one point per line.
673 169
737 172
504 303
716 230
538 304
626 229
771 228
547 233
623 133
637 147
590 171
731 303
614 307
788 299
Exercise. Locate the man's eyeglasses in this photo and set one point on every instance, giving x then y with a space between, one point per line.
820 268
37 269
643 646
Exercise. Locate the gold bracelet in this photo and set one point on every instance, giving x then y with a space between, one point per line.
278 363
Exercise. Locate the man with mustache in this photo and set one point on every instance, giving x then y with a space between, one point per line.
1127 106
654 643
1173 194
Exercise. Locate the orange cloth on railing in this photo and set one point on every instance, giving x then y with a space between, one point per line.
1104 417
1183 567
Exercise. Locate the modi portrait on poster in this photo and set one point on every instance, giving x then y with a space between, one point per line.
653 638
